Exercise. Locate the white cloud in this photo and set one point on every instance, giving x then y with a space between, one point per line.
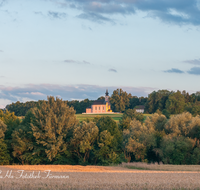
4 102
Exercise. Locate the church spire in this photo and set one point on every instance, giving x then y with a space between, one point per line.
107 92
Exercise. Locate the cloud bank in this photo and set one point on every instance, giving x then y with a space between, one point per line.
113 70
2 2
57 15
76 62
173 70
171 11
194 71
193 62
95 17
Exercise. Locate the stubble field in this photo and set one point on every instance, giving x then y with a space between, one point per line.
94 177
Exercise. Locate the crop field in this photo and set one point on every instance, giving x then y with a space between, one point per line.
94 177
82 117
160 167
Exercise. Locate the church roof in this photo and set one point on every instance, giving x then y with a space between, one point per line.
139 107
106 92
99 102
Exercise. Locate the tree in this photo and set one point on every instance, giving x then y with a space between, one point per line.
84 137
178 150
156 101
107 123
156 122
3 128
193 108
4 155
179 125
51 125
11 121
104 153
137 140
101 98
22 144
119 100
110 130
128 116
175 103
135 101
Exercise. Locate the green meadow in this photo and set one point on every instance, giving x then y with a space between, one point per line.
82 117
115 116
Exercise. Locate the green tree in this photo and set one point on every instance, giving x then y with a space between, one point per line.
179 125
51 125
119 100
177 150
135 101
4 154
11 121
109 145
22 144
104 153
3 128
193 108
156 122
128 116
84 137
175 103
107 123
157 101
137 140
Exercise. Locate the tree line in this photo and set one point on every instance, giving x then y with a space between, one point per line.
20 108
170 102
120 101
51 134
167 102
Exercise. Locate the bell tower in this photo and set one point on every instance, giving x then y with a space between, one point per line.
106 96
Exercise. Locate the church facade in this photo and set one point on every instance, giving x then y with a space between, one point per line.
100 106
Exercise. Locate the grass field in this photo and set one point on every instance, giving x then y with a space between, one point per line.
95 177
82 117
116 117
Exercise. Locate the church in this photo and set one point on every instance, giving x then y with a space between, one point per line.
100 106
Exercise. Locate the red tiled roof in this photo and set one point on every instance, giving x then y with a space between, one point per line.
99 102
139 107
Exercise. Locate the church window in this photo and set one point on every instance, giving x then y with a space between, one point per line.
95 108
99 108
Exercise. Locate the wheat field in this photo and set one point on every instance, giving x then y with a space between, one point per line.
94 177
160 167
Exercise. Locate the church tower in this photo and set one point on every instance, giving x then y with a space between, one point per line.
106 96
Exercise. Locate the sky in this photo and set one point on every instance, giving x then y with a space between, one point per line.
76 49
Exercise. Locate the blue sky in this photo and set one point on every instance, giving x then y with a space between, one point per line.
75 49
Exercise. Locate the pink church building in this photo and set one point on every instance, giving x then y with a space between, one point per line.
100 106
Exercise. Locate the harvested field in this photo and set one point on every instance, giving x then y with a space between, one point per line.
160 167
94 177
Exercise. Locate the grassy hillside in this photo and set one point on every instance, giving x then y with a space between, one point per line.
82 117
